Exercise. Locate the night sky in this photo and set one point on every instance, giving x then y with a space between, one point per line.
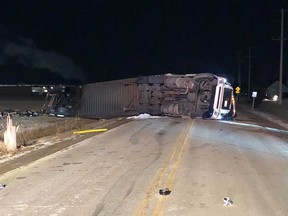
46 41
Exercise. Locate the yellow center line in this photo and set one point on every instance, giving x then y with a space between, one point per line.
157 180
170 181
154 186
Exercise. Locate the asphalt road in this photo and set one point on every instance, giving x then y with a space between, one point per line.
120 172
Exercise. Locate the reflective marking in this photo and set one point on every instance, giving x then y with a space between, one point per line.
91 131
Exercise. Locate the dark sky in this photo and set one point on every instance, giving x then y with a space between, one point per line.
103 40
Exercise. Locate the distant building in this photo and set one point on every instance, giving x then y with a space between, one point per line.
274 90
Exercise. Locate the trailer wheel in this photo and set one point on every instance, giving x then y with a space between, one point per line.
192 115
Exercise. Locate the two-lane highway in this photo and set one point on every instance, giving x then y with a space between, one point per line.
120 172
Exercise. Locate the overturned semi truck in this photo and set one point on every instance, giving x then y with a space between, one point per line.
192 95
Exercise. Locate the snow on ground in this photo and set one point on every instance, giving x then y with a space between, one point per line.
272 111
144 116
30 123
40 144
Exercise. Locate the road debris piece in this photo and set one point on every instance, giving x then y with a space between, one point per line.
2 186
91 131
227 201
164 191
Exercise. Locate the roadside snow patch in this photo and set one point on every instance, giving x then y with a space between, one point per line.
144 116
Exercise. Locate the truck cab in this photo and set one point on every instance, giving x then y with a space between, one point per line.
224 102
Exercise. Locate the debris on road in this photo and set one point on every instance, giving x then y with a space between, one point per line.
60 112
2 186
28 113
91 131
227 201
21 113
164 191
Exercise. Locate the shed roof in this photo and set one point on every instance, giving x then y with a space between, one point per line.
275 87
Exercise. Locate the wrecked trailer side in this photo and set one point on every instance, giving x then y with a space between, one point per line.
110 99
190 95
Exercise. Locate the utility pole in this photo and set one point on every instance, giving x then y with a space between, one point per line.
249 73
239 69
281 39
249 70
281 57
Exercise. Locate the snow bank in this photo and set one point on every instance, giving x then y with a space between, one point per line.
144 116
271 118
